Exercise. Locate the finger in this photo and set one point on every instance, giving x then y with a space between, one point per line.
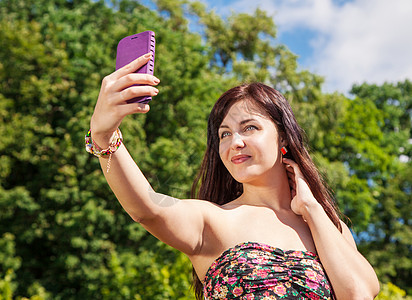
134 108
289 162
289 169
137 91
135 78
293 164
132 66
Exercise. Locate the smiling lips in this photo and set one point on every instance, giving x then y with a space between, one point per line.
238 159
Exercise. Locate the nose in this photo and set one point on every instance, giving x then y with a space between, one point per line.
237 141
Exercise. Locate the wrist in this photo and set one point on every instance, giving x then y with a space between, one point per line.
102 140
311 209
101 135
95 149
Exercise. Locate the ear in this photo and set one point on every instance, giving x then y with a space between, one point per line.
282 139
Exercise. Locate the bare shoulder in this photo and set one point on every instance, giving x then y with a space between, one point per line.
208 211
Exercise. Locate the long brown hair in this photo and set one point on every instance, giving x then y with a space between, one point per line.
216 183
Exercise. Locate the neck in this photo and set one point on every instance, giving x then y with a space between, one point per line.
274 193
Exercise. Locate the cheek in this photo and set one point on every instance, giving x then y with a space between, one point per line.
268 147
224 153
223 147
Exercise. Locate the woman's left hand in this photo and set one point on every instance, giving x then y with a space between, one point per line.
349 272
302 197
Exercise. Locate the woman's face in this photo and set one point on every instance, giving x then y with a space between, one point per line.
249 144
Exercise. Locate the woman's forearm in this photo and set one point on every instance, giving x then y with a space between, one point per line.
351 275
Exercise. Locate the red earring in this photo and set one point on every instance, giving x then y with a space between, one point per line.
283 150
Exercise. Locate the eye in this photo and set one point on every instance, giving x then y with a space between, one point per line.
224 134
250 127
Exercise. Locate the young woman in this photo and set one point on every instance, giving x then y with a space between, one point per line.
266 226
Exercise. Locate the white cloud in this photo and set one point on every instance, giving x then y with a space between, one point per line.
368 41
356 41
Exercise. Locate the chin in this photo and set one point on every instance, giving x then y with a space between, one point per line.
253 177
245 178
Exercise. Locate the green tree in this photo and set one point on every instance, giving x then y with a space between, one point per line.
63 234
388 241
390 291
68 227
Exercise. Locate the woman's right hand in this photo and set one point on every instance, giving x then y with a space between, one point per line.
112 104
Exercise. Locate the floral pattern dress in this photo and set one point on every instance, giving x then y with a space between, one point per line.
258 271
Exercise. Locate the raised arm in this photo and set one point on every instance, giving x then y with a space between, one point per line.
351 275
175 222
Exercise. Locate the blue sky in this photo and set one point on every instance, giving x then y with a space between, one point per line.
345 41
298 40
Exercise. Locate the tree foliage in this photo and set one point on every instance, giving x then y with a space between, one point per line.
63 234
388 242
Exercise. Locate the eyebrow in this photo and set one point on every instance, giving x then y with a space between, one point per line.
241 123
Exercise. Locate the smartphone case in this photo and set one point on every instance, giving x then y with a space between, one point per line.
132 47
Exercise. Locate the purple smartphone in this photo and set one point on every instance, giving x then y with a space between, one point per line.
132 47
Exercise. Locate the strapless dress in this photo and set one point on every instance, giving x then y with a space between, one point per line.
258 271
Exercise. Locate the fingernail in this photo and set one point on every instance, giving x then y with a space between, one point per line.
147 55
156 91
156 80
